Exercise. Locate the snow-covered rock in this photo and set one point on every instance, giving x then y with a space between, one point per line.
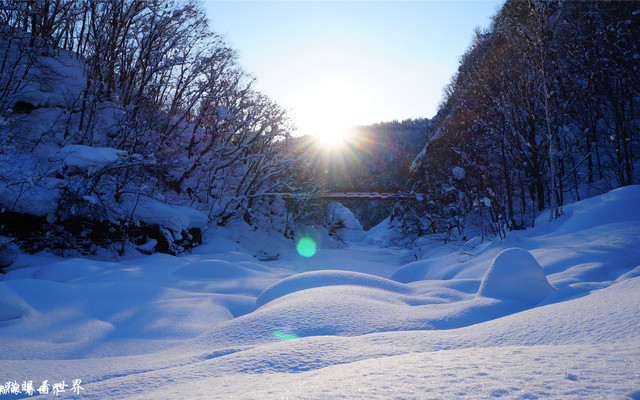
343 224
515 275
53 81
87 157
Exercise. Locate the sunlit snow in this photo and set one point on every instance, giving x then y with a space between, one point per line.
551 312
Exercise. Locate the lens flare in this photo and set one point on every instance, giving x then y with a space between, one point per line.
285 334
306 247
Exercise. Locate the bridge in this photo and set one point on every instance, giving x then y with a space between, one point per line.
412 196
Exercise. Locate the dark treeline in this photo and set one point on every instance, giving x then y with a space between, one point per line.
544 109
158 83
374 157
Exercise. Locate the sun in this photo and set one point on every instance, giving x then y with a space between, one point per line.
335 135
330 109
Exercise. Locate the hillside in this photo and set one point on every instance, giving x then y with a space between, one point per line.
130 139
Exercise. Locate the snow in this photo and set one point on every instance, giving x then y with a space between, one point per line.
343 224
458 173
63 69
213 269
169 216
36 194
13 306
86 157
550 312
9 251
66 271
315 279
515 275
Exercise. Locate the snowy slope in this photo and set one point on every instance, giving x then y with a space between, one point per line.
546 313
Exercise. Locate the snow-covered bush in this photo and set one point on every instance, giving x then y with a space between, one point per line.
342 224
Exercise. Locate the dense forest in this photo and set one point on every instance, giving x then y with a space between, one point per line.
544 110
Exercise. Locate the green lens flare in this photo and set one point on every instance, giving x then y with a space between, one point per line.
285 334
306 247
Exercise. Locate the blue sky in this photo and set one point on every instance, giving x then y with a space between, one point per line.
338 63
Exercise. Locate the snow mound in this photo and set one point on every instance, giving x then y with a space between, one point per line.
254 266
213 269
12 306
309 280
515 275
66 271
414 271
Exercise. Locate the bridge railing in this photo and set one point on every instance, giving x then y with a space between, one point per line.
412 196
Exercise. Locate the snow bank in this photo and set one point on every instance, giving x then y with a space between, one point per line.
12 306
572 249
515 275
381 233
631 274
237 234
414 271
38 194
617 206
66 271
316 279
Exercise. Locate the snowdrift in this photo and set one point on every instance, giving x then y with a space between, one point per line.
577 247
545 313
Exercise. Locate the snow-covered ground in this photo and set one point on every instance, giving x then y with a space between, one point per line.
551 312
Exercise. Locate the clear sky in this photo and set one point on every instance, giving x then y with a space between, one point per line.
333 64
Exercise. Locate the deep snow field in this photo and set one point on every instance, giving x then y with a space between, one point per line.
551 312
